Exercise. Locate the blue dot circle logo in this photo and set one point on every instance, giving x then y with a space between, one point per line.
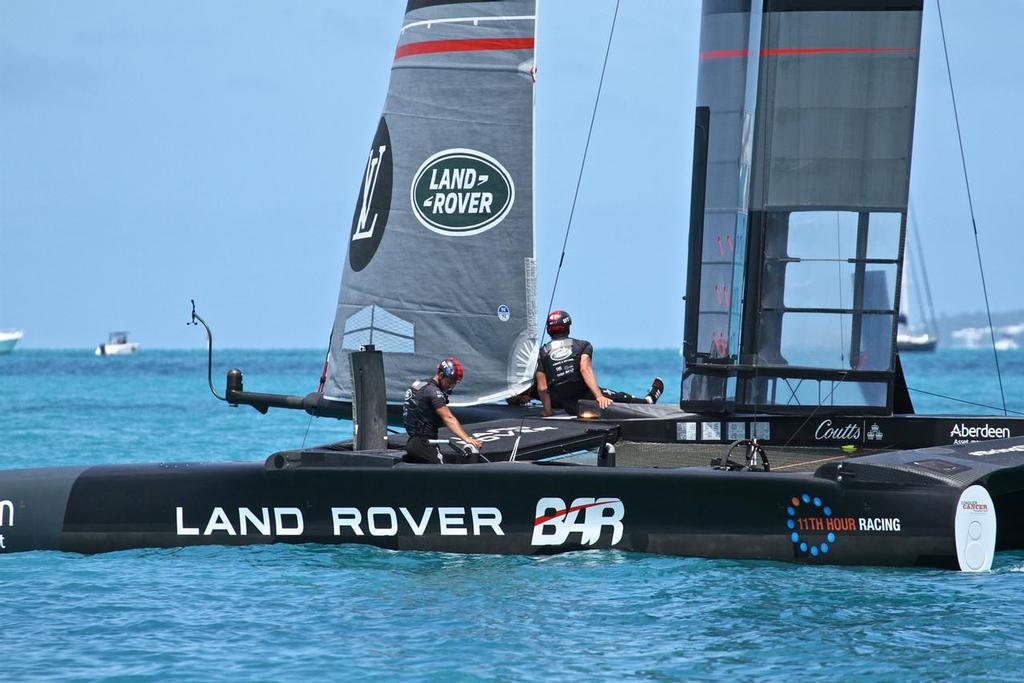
809 522
504 313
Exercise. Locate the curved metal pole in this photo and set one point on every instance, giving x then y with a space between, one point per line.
209 349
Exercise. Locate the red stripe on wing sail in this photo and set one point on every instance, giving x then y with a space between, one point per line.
467 45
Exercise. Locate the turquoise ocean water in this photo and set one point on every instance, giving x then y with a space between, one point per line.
292 613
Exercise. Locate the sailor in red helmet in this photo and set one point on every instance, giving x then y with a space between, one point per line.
565 374
426 409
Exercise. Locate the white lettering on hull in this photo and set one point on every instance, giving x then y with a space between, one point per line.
286 522
498 433
388 521
964 433
451 521
379 521
182 529
347 517
489 517
878 524
283 529
6 519
6 513
826 431
418 527
219 522
261 523
389 528
556 522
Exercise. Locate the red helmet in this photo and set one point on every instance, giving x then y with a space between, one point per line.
451 368
558 323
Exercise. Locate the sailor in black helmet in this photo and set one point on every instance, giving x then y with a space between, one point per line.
426 409
565 374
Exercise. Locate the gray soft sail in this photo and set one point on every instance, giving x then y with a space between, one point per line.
801 175
441 251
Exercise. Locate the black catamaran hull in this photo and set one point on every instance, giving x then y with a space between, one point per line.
512 508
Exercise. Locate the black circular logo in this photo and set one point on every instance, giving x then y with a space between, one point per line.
374 201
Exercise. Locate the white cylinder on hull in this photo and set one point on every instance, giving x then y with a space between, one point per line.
975 529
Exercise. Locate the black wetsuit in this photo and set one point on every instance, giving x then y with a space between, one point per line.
560 361
422 400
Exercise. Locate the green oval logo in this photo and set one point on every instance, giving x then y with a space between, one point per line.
459 192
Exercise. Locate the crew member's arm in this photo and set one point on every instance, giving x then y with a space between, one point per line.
587 370
542 392
452 423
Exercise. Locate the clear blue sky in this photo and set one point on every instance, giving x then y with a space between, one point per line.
155 151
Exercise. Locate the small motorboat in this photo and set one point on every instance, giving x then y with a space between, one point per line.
9 339
117 345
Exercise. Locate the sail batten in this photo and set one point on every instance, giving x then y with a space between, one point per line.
440 256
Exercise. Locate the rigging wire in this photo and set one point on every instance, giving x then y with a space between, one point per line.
323 383
583 163
304 436
970 203
575 196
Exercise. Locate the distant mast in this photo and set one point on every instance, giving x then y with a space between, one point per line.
917 330
441 249
805 121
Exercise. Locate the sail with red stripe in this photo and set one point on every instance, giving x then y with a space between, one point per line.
441 249
805 124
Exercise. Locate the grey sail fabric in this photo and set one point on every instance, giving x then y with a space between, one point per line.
798 263
441 251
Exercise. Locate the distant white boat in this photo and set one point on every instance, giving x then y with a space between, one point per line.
8 340
919 337
117 345
906 341
1006 344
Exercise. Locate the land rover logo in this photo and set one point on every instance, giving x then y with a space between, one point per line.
562 353
459 192
374 202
